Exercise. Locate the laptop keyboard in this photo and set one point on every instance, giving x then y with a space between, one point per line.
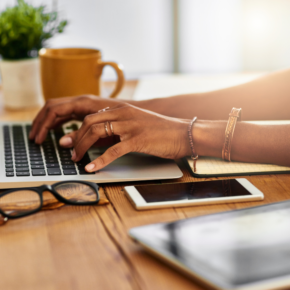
25 158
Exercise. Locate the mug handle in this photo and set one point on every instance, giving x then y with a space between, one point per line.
120 75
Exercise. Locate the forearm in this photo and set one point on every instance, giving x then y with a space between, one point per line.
251 143
267 98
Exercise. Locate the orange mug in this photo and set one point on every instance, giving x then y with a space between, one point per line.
74 71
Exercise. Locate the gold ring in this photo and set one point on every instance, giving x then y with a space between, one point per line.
103 110
111 126
106 129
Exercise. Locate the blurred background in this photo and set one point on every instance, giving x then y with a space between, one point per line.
178 36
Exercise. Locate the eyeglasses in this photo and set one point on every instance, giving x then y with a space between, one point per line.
20 202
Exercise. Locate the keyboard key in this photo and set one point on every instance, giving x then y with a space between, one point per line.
51 161
20 161
83 172
67 162
35 154
65 158
63 151
23 173
50 158
9 165
34 148
68 166
38 172
9 169
19 169
50 155
69 172
66 154
20 150
36 158
9 174
53 171
36 163
20 154
48 149
23 157
37 166
52 165
22 165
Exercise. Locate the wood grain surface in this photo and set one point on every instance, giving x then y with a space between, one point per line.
88 247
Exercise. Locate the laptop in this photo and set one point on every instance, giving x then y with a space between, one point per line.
24 163
245 249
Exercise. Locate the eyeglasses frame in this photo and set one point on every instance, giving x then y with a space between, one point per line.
40 189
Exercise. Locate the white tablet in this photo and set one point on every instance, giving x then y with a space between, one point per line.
240 250
192 193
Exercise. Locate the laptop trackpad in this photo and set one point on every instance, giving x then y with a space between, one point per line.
137 165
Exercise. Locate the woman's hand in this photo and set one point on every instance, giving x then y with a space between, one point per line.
58 111
139 131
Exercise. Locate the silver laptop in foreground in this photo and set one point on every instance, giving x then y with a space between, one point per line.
23 163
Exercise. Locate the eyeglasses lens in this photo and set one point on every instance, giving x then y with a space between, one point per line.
76 192
19 202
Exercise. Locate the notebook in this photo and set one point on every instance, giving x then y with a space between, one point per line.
209 166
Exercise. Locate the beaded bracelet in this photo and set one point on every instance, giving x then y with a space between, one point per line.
194 156
235 115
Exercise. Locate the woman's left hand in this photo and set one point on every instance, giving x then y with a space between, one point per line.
139 131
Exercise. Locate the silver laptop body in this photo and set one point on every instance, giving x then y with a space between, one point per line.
23 164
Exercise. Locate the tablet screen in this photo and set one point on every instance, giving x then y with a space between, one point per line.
192 190
228 249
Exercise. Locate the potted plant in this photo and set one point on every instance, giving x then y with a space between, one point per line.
24 29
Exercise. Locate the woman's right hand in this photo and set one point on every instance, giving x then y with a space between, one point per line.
58 111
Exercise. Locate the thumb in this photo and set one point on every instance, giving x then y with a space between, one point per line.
67 140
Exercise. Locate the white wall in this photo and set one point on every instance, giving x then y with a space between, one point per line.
134 33
209 36
234 35
266 34
214 35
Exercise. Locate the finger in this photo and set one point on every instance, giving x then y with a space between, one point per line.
61 120
109 156
37 120
53 112
102 117
94 133
67 140
106 142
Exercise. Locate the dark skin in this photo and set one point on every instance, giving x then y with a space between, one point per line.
159 127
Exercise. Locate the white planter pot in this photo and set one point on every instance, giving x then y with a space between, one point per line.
21 83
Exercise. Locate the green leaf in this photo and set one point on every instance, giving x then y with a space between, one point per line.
25 28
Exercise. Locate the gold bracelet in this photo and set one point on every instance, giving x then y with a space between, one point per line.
235 115
194 156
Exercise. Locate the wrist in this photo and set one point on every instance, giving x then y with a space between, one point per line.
208 137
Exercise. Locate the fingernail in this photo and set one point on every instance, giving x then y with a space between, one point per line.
90 167
73 154
65 141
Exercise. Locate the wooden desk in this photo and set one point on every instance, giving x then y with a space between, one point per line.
87 248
